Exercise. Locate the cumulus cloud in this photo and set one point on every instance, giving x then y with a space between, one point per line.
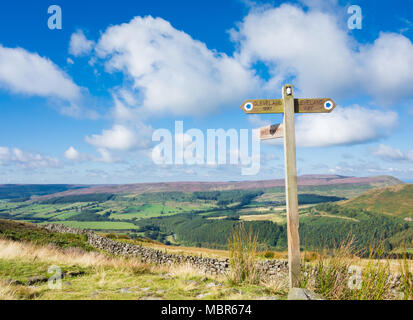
312 47
344 126
117 138
26 160
363 168
4 155
386 67
389 153
28 73
105 156
73 154
170 71
79 45
24 72
122 137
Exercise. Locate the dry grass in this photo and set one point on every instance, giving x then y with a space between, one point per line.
328 275
274 217
341 275
406 273
242 247
393 264
26 251
7 292
187 270
194 251
10 292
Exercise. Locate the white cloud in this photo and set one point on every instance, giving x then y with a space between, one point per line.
387 67
344 126
117 138
105 156
28 73
79 45
315 49
23 72
72 154
363 168
4 155
26 160
171 72
390 153
122 137
123 112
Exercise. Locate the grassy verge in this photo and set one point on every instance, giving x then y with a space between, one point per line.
105 277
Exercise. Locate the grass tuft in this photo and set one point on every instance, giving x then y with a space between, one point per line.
341 275
406 278
243 253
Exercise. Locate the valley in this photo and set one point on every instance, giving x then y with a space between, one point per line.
331 209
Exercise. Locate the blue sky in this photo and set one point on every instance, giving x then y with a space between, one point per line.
80 104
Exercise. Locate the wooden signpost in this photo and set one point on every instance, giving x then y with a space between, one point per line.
289 106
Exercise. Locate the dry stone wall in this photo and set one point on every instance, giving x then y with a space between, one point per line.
271 268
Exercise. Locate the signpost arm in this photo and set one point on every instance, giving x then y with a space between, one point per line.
291 187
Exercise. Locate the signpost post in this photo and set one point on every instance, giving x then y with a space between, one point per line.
289 106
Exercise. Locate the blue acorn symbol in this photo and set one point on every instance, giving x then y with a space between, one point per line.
248 106
328 104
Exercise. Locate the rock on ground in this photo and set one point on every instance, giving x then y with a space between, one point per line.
303 294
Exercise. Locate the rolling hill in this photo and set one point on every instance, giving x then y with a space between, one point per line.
393 200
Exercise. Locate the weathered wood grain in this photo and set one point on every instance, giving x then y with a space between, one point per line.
291 188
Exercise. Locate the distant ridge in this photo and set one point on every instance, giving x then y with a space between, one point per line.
19 191
393 200
305 180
